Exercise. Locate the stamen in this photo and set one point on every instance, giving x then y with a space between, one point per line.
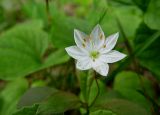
101 36
94 55
84 45
104 46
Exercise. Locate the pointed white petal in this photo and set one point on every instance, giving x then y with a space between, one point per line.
82 40
84 64
102 69
97 36
110 43
76 52
112 56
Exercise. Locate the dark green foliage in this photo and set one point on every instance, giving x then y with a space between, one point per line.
11 94
152 16
147 42
32 110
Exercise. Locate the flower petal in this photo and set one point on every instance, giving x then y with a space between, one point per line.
98 36
112 56
84 64
76 52
82 40
110 43
102 69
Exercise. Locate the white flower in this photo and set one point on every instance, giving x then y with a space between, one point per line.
94 51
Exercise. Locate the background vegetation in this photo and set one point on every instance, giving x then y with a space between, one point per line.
37 77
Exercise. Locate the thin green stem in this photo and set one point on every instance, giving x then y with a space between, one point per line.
126 41
98 91
48 12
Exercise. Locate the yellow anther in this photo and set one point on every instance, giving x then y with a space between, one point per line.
84 45
101 36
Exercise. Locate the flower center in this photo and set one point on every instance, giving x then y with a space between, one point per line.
94 54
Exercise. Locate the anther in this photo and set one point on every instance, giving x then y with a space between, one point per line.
101 36
83 45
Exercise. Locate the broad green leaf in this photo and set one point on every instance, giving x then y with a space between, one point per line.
108 95
129 80
22 51
48 101
152 15
32 110
36 95
11 94
122 107
136 97
59 102
128 84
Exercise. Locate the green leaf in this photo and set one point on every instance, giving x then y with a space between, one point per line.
128 84
11 94
108 95
59 102
27 110
122 107
152 15
49 101
129 80
21 51
36 95
102 112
